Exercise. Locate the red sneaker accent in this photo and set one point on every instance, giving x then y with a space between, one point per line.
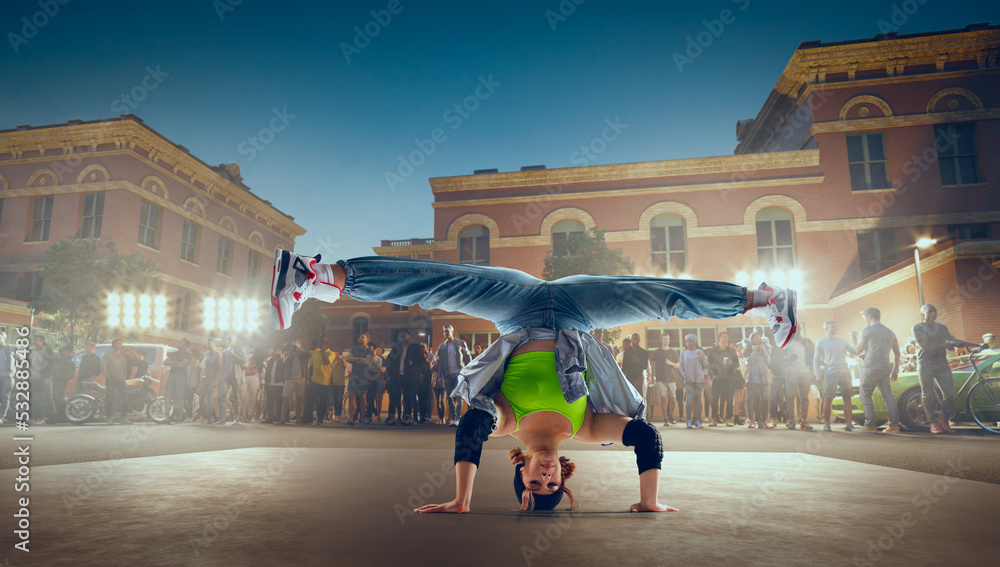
297 296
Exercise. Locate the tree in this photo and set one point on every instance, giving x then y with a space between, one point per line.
587 253
308 323
79 273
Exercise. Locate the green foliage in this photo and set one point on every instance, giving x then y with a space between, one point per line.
587 253
79 273
308 324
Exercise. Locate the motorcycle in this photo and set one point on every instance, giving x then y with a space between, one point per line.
143 403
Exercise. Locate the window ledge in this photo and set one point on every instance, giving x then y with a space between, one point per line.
195 264
36 242
141 245
883 190
966 185
224 275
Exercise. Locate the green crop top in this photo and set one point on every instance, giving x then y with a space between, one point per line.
530 384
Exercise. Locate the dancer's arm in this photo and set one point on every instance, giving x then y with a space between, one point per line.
474 429
613 428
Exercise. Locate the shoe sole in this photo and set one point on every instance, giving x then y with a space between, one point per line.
282 259
792 302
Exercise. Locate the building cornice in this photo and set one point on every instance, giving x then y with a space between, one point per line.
627 171
131 136
619 193
898 121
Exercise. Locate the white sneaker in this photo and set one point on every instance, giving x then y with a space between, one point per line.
779 312
292 283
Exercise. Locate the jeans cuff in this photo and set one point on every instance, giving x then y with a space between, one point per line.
349 281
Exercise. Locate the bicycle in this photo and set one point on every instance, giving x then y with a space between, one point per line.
983 401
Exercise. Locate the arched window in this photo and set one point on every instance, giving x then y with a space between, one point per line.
358 326
775 239
474 245
561 232
668 245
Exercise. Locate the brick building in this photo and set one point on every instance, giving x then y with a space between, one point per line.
210 236
862 149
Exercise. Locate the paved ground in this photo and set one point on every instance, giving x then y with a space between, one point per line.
297 495
311 506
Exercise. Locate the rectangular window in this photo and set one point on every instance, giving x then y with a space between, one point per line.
400 307
253 266
969 231
149 224
189 242
706 337
92 215
474 249
668 250
29 286
41 218
225 256
482 339
775 245
182 311
868 161
877 250
359 326
958 154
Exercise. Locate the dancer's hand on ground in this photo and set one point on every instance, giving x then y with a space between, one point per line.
655 507
453 507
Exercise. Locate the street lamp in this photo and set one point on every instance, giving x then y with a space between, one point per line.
922 243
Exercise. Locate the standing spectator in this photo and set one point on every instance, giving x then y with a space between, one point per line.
296 365
477 350
357 385
338 379
318 386
194 371
830 367
778 374
251 389
876 343
664 363
42 358
402 389
757 356
452 355
692 366
437 385
210 376
423 375
798 378
63 372
274 383
932 364
635 364
114 366
740 387
234 363
9 362
376 375
90 367
723 364
178 362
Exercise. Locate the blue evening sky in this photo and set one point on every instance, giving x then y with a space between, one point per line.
548 75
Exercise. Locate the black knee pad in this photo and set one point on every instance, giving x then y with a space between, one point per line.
647 442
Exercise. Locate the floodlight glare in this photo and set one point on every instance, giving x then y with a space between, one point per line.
129 299
144 322
160 301
160 322
113 321
145 300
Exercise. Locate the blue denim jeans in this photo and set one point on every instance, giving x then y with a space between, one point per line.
870 380
514 300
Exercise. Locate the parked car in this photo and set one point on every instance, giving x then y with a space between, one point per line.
906 390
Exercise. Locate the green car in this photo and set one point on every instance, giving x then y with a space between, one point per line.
906 390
